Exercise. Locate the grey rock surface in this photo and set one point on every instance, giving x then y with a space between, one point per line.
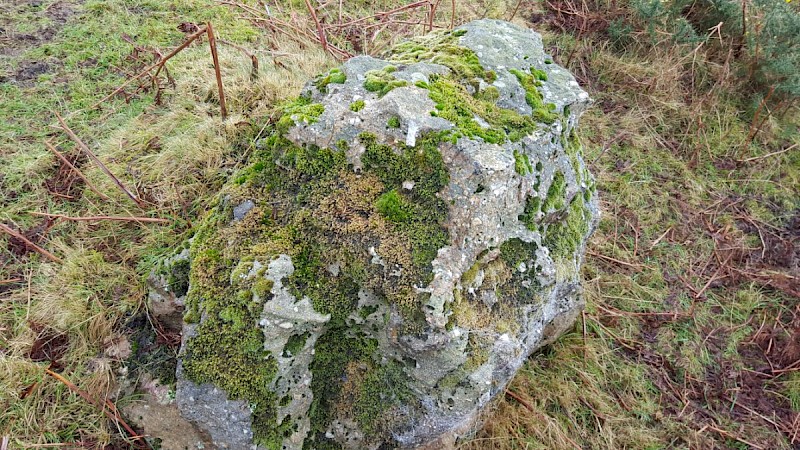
420 348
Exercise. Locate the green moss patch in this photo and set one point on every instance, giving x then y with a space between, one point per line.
334 76
533 205
563 239
301 110
349 384
556 193
382 81
442 48
357 105
522 164
530 81
393 207
456 104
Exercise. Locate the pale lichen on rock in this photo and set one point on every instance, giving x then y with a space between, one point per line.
410 231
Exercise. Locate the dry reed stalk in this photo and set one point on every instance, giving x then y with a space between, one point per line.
97 161
75 169
101 218
212 42
30 244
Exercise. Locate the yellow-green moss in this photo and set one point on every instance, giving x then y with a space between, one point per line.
522 164
228 349
455 104
490 94
357 105
443 48
382 81
393 122
530 82
301 110
334 76
393 207
555 199
424 166
563 239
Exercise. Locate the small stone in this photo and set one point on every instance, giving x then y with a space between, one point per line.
242 209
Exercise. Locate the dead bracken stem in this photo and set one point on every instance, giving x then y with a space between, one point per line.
97 161
320 31
108 408
102 218
213 44
158 66
253 59
30 244
74 169
519 399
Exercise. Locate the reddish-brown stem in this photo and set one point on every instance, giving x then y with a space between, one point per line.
97 161
108 409
434 7
516 9
30 244
212 42
754 128
320 31
101 218
75 169
158 65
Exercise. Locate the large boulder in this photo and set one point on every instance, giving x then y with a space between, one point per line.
408 233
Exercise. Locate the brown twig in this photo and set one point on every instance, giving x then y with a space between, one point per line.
74 169
11 281
108 408
97 161
101 218
213 44
733 436
756 158
519 400
157 65
320 31
754 129
608 258
516 9
30 244
432 14
252 56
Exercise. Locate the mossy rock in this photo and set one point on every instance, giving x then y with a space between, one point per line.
399 243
